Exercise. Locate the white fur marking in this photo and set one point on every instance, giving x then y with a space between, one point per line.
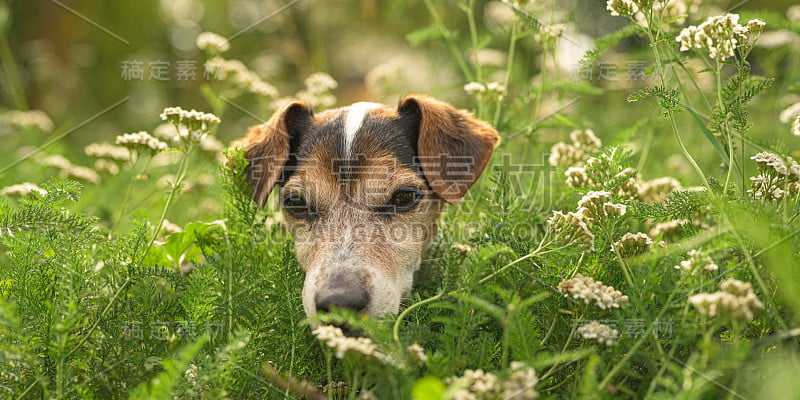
353 121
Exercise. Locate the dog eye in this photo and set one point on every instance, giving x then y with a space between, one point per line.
297 206
404 200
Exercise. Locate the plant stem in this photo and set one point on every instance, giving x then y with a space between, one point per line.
453 48
509 69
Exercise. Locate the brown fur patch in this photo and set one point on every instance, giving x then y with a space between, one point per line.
454 147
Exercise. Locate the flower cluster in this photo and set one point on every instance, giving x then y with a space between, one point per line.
602 333
492 90
520 384
720 36
599 172
141 141
417 353
318 92
735 300
22 189
212 43
69 170
694 262
480 385
335 339
575 154
796 126
240 76
572 229
548 35
596 207
658 189
28 119
589 290
633 244
790 113
622 7
320 82
107 151
462 248
193 120
779 177
668 230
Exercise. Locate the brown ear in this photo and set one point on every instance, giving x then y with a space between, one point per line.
267 148
453 146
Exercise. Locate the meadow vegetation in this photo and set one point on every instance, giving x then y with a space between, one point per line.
636 235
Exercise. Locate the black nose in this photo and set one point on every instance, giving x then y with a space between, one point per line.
351 298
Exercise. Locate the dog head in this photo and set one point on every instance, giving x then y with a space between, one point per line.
362 188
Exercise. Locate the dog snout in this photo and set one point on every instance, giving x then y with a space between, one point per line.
348 297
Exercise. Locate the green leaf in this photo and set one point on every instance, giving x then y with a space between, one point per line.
422 35
428 388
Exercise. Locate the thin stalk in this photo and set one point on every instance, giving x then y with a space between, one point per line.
14 80
673 123
462 65
473 33
509 69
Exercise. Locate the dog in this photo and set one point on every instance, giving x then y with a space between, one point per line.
362 188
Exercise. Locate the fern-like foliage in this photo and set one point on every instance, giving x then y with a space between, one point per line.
667 98
680 204
606 42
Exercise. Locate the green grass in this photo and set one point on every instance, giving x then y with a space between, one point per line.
99 300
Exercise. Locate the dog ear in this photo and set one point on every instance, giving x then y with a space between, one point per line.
267 147
453 146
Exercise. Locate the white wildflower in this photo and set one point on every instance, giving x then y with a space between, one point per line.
109 151
168 228
521 383
577 178
735 300
335 339
462 248
572 229
586 140
141 141
697 262
632 244
790 113
668 230
766 187
191 374
496 89
602 333
57 161
29 119
109 167
320 82
193 120
475 89
22 189
587 289
796 126
658 189
212 42
622 7
566 155
264 89
596 207
83 173
417 353
720 36
240 76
